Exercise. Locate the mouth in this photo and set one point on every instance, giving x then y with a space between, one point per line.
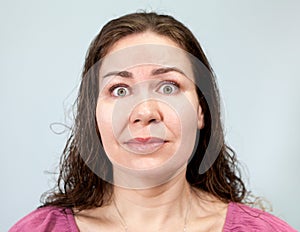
145 145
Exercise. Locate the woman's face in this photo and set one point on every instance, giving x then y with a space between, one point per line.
147 114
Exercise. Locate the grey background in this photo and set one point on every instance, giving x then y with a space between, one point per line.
252 45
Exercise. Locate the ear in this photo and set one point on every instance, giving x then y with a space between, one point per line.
200 120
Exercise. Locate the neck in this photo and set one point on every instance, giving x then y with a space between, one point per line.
155 206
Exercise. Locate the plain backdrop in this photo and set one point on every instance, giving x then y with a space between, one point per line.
253 47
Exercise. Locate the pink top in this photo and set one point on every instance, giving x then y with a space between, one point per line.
239 218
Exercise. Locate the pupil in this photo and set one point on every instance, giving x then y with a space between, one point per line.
121 92
167 89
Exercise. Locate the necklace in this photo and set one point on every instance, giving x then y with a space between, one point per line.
125 226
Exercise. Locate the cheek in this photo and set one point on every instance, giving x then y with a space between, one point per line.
193 99
187 119
172 121
104 120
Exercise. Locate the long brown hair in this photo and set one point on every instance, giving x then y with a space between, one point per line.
78 186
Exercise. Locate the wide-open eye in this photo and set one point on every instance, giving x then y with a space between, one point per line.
119 91
168 88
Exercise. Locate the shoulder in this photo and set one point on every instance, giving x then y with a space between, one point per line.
47 219
244 218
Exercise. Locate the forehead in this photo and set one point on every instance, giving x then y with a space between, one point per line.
147 54
140 39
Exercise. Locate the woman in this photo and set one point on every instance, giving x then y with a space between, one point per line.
147 151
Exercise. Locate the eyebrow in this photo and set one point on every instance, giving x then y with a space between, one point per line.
166 70
154 72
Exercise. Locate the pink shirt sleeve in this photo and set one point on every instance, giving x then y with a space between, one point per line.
47 219
244 218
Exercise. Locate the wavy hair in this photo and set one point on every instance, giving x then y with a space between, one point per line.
77 186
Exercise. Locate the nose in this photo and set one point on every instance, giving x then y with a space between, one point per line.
146 113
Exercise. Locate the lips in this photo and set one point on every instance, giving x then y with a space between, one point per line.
144 145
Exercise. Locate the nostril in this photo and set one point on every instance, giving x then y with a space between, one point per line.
136 121
152 120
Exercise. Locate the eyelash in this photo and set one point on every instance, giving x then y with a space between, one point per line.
175 83
114 87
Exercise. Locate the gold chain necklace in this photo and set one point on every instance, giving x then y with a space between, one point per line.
125 226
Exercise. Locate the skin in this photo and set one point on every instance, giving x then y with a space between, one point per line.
148 118
163 207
